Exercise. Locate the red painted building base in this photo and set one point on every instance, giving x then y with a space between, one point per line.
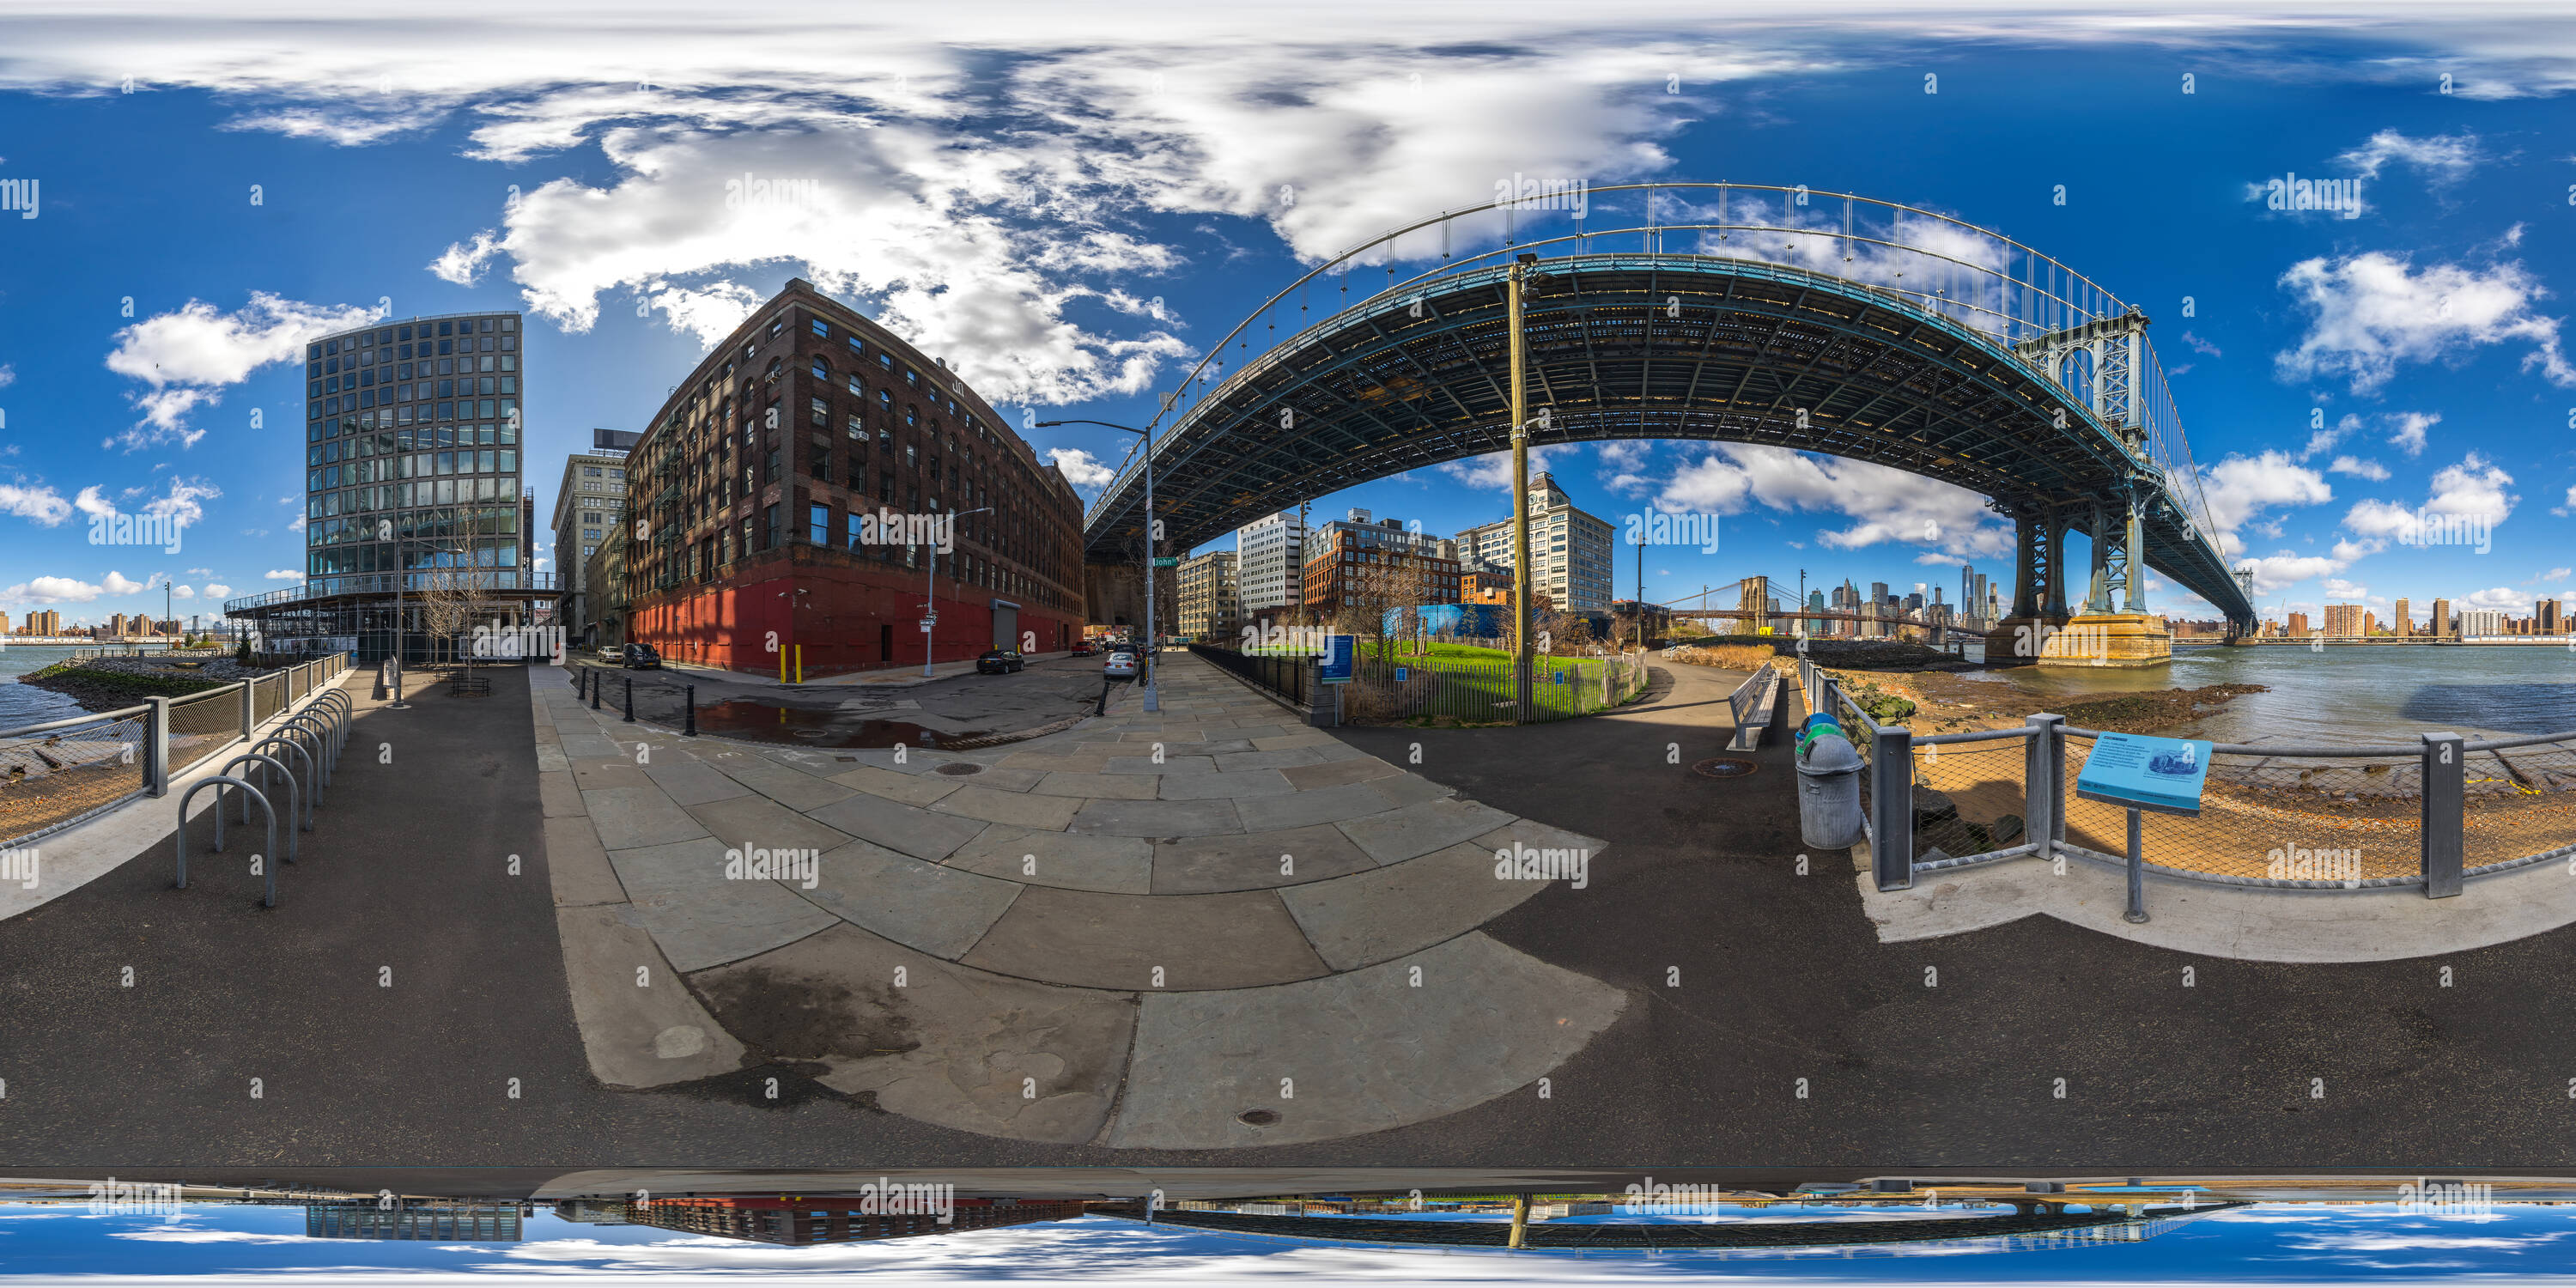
846 618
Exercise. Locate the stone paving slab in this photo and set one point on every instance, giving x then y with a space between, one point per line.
555 791
917 832
1019 809
1322 773
1414 830
1238 785
622 772
1005 779
1170 764
646 1034
1157 818
791 788
1406 788
950 1045
551 760
1391 911
759 823
1252 861
1067 860
688 782
911 789
1204 941
577 867
587 745
698 917
1116 787
632 817
938 910
1281 758
1367 1050
1305 809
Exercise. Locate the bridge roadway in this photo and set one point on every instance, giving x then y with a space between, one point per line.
1654 345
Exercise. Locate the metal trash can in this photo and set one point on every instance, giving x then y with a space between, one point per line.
1829 815
1816 726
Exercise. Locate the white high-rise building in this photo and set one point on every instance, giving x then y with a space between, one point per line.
1570 550
2481 621
1270 564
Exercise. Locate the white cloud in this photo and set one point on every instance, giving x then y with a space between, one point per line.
2408 431
1081 468
188 356
2372 470
2274 572
42 505
2355 551
2338 588
2239 489
118 585
51 590
8 375
2498 597
1492 472
2372 311
2449 157
1888 505
218 590
183 592
284 574
2568 506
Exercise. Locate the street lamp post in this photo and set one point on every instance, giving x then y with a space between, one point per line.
1153 643
930 595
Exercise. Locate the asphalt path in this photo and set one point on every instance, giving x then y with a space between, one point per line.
407 977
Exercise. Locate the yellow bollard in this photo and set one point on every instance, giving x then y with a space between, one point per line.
800 664
782 668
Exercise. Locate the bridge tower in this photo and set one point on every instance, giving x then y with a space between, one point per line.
1755 604
2101 364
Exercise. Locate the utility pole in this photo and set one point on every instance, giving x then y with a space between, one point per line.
1802 603
1520 492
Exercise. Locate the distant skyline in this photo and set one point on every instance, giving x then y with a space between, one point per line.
1070 212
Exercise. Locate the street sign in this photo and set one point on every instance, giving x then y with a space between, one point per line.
1167 561
1400 673
1338 653
2164 775
926 624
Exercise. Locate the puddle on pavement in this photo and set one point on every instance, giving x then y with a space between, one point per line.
760 722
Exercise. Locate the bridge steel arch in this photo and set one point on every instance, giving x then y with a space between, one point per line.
2043 404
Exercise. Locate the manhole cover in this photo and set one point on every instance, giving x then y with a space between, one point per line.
959 768
809 733
1724 767
1258 1117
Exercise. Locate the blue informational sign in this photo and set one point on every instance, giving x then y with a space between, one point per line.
1338 652
1560 678
1400 673
2160 774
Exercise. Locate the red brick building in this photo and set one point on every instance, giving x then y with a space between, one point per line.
836 1219
788 493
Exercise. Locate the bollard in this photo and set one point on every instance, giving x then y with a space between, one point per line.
2445 772
2044 783
691 729
630 700
594 696
1891 803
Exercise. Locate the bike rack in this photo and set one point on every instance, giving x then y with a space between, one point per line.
324 724
200 785
294 796
312 794
316 740
332 715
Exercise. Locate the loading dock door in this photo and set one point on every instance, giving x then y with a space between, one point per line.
1006 624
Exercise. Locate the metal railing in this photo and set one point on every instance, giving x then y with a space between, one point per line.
1442 687
512 581
61 773
2434 813
1288 675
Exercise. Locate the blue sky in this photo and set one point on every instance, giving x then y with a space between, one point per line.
1070 210
2277 1243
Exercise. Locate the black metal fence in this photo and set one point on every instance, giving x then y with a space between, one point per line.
1286 675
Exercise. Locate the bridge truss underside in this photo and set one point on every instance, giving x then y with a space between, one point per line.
1647 346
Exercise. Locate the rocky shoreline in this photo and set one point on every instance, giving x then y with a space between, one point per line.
1946 703
114 683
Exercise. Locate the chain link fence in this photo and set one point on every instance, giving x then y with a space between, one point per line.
51 777
202 724
1971 796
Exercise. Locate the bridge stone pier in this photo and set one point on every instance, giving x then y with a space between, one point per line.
1113 593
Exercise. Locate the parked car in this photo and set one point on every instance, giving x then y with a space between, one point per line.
640 657
1121 665
1082 648
612 654
999 661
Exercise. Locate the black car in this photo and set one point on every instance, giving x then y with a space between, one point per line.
640 657
999 661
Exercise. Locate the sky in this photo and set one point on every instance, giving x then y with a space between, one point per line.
1072 207
2270 1243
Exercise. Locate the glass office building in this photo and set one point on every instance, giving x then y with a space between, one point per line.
413 436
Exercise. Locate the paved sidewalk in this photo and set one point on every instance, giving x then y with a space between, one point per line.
894 677
1207 928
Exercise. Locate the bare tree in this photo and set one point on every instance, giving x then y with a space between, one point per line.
457 596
